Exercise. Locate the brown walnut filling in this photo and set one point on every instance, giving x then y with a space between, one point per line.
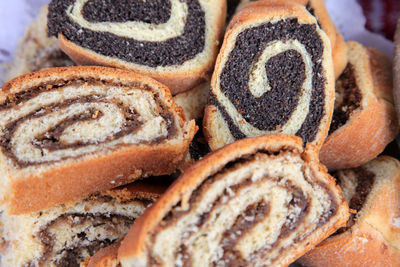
257 211
50 139
348 98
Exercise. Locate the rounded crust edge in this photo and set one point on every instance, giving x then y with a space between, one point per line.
255 11
370 129
362 247
105 257
177 81
133 248
365 244
363 138
71 181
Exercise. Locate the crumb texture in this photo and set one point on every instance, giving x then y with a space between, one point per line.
151 33
71 119
258 210
65 236
271 78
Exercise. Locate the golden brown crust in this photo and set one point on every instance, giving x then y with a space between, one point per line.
369 128
339 53
150 188
211 114
373 240
365 136
207 120
177 82
260 11
271 3
276 7
384 209
324 20
381 72
106 257
71 181
133 246
363 247
75 180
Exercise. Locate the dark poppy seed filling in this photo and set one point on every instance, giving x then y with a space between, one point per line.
149 11
50 140
286 75
247 216
348 98
171 51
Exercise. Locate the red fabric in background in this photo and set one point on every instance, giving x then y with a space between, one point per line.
381 16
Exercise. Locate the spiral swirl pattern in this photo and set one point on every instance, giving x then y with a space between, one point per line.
151 33
245 214
64 120
67 235
271 79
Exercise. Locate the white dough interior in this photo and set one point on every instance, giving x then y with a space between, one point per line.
258 85
22 232
269 176
94 132
136 30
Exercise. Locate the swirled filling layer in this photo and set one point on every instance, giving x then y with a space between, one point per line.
152 33
356 185
246 214
62 120
348 98
66 235
273 81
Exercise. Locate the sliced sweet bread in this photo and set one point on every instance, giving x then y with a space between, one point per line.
364 118
68 132
318 9
274 74
36 50
175 42
372 235
65 235
256 202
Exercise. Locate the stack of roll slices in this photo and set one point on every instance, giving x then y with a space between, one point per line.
269 126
